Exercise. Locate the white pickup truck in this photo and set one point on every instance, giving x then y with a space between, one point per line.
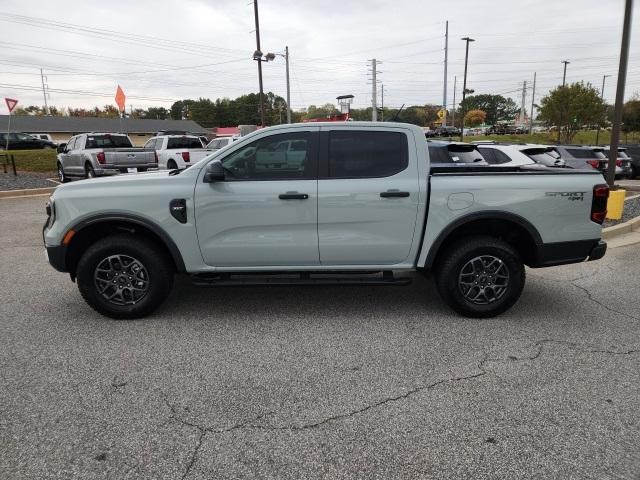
177 152
342 203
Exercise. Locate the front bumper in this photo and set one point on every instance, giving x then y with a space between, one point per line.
57 257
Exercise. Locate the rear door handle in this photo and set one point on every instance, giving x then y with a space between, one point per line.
394 194
293 196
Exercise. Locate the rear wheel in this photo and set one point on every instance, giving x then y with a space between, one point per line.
171 165
480 276
88 171
124 276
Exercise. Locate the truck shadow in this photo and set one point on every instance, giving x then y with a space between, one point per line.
417 300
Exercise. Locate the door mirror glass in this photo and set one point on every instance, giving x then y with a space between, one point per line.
62 148
214 173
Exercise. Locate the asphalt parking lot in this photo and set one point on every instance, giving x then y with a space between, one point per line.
327 382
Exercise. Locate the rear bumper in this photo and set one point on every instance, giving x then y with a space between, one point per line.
563 253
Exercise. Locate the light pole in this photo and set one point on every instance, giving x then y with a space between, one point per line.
464 85
564 75
257 55
604 77
622 78
285 55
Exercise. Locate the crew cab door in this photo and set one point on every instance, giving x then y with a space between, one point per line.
368 194
265 212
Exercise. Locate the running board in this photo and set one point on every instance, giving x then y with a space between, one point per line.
298 278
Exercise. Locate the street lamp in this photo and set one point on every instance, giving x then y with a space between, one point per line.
464 84
285 55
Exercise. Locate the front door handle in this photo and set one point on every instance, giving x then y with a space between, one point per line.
293 196
394 194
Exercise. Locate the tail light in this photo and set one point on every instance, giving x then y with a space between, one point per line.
599 203
101 158
155 156
594 163
618 163
185 156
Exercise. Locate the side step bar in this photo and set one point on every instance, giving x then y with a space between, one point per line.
298 278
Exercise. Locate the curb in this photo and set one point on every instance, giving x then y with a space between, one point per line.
632 225
26 192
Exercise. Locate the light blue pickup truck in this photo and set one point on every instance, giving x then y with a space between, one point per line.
323 203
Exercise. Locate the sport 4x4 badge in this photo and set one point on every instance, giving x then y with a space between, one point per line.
574 196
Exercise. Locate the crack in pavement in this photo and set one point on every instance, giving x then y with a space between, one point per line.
611 309
249 423
203 431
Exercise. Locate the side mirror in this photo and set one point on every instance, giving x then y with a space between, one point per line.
62 147
214 173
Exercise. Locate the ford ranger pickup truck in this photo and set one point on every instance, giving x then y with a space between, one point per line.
323 203
91 155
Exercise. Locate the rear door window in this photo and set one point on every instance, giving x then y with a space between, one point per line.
365 154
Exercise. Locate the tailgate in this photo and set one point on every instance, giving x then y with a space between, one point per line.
129 157
198 154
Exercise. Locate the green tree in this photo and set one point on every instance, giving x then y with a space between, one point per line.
323 111
631 115
572 106
160 113
497 107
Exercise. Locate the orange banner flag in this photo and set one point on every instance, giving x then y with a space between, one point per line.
120 98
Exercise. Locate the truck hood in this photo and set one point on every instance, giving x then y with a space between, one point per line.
117 184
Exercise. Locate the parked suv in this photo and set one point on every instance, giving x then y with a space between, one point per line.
585 158
519 155
23 141
442 153
623 162
218 143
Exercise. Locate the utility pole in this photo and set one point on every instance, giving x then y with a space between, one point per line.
382 102
601 98
622 78
464 85
533 99
446 54
374 92
44 93
453 110
286 57
564 78
524 97
564 75
255 12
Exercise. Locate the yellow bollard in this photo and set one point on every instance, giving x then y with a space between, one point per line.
615 204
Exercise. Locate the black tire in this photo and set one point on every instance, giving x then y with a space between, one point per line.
61 175
464 271
172 165
89 172
154 272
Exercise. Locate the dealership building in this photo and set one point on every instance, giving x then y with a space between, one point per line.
61 128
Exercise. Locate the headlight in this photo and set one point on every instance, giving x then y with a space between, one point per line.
51 211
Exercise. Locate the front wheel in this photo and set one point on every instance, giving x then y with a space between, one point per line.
480 276
124 276
61 175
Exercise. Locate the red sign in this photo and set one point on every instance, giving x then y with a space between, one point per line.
11 103
120 98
